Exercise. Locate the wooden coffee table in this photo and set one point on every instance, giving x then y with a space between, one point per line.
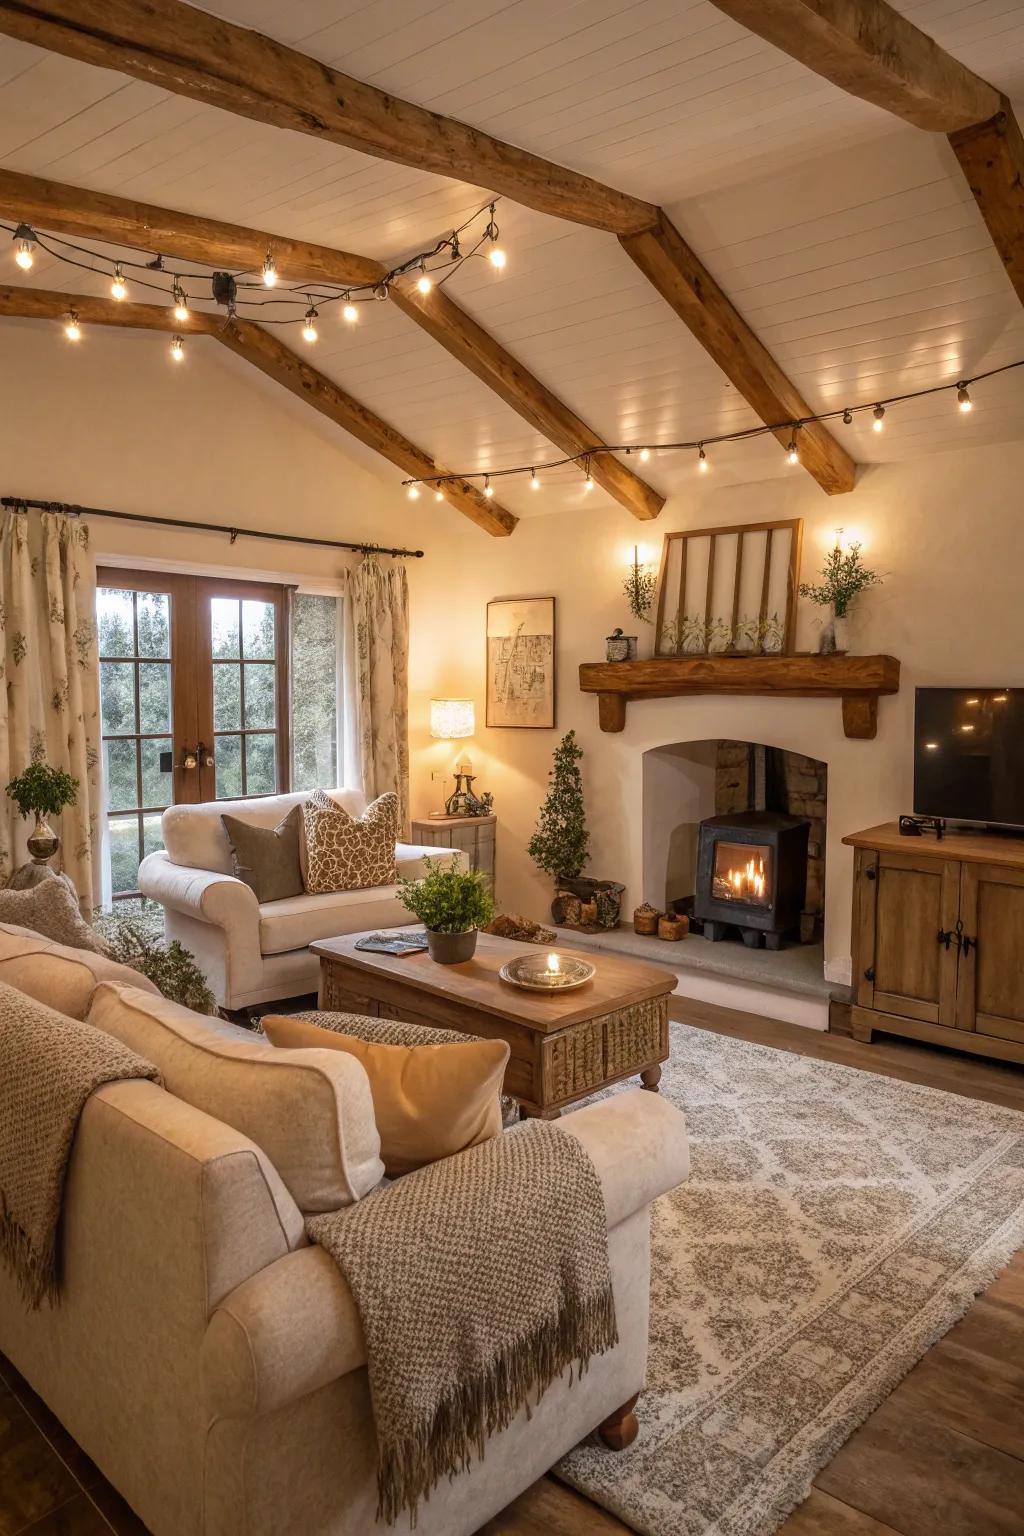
564 1045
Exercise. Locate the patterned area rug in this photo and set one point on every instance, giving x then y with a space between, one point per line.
835 1224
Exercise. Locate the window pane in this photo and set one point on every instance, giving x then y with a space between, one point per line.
260 765
260 677
224 626
157 787
152 838
122 788
124 853
227 756
155 695
117 697
258 628
154 616
114 616
227 697
314 691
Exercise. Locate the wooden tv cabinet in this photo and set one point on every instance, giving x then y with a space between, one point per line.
938 939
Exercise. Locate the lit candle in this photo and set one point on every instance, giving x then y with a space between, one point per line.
554 965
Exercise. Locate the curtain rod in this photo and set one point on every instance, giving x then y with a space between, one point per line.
73 510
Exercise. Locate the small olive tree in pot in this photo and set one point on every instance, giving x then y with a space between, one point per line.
43 791
453 904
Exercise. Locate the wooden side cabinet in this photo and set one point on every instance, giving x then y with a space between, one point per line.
473 835
938 939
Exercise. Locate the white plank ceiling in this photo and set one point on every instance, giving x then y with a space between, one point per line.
852 245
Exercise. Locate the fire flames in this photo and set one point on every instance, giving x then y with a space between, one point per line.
749 882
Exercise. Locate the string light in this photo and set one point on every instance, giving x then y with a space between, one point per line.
792 457
118 286
588 484
423 282
847 417
309 331
349 311
269 272
534 482
878 413
72 329
180 303
414 492
645 454
439 494
488 487
964 398
496 256
24 246
702 459
177 349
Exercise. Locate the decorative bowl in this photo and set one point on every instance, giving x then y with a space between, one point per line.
547 972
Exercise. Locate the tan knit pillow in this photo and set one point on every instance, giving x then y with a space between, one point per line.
429 1101
345 853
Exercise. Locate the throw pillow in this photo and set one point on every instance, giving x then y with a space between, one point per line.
430 1101
57 975
267 858
346 853
50 908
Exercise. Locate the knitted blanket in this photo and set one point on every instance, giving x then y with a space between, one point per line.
49 1065
479 1280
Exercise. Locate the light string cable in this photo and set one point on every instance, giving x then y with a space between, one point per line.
792 428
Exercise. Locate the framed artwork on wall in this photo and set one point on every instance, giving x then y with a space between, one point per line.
521 662
729 591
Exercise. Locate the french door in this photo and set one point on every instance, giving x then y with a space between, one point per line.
193 700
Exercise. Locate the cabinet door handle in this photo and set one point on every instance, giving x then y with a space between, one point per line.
869 974
869 873
967 944
946 936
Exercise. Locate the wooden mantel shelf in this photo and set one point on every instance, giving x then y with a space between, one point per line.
857 680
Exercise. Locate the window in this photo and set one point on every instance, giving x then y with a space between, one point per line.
316 690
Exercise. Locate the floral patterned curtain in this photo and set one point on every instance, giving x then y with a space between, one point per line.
379 600
49 708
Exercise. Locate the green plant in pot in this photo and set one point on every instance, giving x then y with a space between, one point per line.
560 846
43 791
843 577
453 904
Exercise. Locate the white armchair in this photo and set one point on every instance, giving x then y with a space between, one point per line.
252 952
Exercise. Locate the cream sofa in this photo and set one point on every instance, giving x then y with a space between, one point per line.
207 1358
251 952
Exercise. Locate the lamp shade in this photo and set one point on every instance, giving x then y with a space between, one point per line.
451 719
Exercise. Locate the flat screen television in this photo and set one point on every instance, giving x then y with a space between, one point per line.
969 754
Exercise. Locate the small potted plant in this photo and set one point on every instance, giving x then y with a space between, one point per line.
43 791
843 577
453 904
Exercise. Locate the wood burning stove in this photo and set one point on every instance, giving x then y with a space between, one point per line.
751 875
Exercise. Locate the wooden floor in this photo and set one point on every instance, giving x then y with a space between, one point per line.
943 1456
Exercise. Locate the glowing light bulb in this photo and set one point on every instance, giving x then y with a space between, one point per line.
177 349
534 482
878 413
645 454
24 247
439 495
118 286
269 272
497 258
488 487
309 331
702 459
414 493
423 282
72 329
964 399
180 303
791 454
588 484
349 312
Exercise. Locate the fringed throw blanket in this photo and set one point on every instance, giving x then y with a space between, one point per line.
479 1280
49 1065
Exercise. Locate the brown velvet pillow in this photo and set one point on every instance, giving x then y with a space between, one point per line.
267 858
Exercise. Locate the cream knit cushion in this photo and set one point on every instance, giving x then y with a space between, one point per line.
346 853
57 975
50 908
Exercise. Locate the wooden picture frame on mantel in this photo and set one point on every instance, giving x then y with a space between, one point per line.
521 663
729 591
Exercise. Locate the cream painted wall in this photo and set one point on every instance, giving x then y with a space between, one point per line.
946 535
113 422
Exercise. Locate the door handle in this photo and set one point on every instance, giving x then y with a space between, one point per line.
869 974
967 944
870 873
205 755
946 937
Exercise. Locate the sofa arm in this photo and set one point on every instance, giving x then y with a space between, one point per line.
637 1142
204 894
283 1333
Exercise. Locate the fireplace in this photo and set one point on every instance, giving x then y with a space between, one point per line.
751 875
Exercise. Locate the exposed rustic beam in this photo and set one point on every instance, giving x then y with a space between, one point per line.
667 261
274 359
867 48
122 221
194 54
478 351
991 156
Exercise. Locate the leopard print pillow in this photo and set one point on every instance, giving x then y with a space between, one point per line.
345 853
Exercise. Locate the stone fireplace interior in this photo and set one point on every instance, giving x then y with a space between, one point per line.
687 783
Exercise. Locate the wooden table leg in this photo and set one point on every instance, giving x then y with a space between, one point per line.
650 1077
527 1112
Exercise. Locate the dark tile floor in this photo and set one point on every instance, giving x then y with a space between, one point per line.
48 1485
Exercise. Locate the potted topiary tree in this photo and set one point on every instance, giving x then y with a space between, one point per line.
560 846
43 791
453 904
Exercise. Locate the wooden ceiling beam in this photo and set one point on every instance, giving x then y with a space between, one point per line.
991 156
192 53
680 277
277 362
870 50
478 351
185 236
